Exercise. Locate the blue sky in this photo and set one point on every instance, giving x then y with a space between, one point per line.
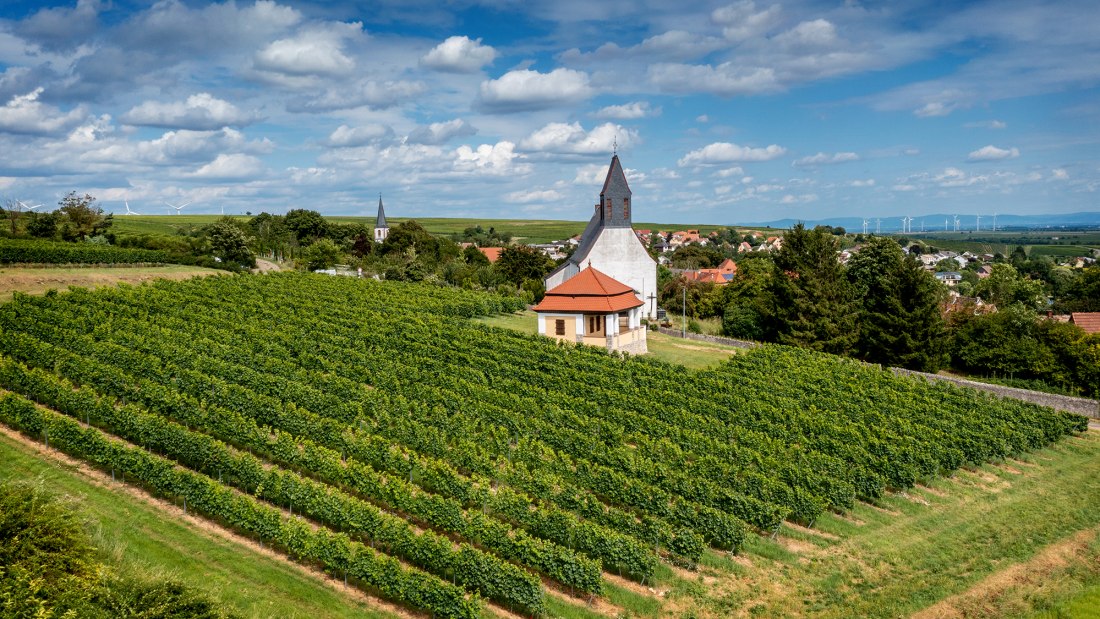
722 112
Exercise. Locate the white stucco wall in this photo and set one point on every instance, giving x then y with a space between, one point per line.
617 252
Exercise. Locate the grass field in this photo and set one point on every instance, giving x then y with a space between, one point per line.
40 280
689 353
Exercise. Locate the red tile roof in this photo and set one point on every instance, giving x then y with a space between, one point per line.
589 291
1089 321
492 253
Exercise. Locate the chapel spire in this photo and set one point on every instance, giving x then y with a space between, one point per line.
615 196
381 230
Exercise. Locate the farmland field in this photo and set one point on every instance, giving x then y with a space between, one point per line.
373 431
523 230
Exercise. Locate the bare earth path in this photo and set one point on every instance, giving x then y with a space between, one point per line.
265 266
37 280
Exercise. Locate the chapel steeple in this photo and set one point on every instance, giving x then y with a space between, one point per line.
381 230
614 206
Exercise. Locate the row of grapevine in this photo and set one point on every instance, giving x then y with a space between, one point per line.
26 251
335 552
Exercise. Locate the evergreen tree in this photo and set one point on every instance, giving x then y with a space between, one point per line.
899 315
812 304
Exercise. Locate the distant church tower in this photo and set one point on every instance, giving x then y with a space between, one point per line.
381 230
610 245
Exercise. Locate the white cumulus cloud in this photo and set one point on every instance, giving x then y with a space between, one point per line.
825 158
490 159
526 90
628 111
200 112
345 136
25 114
573 139
368 93
526 197
236 166
459 54
440 133
992 153
742 21
726 80
315 51
725 152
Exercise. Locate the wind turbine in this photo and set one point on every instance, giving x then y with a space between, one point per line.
128 211
178 208
956 222
977 223
994 222
29 207
865 222
878 225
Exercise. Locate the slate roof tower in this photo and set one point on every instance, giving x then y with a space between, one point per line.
381 230
610 245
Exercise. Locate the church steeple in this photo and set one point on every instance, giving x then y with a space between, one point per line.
615 197
381 230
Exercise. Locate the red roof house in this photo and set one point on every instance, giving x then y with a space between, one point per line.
492 253
593 308
1089 321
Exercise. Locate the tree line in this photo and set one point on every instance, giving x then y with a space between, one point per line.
883 307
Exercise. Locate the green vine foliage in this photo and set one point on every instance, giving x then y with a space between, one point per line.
485 458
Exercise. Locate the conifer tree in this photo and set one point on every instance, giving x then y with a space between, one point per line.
811 301
899 314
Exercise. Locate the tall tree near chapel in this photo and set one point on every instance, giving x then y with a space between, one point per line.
900 319
812 305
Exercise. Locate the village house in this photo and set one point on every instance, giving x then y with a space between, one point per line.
1089 321
950 278
721 276
592 308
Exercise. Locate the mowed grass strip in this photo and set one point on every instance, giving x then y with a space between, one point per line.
137 538
978 544
36 280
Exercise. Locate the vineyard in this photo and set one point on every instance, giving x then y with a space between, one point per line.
373 430
23 251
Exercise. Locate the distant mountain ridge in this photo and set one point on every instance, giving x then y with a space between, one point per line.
935 222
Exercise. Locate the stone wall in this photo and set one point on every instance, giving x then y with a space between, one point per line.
1081 406
714 339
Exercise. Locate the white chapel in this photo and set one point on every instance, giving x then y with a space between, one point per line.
610 245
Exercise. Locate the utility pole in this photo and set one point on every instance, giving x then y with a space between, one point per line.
684 313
